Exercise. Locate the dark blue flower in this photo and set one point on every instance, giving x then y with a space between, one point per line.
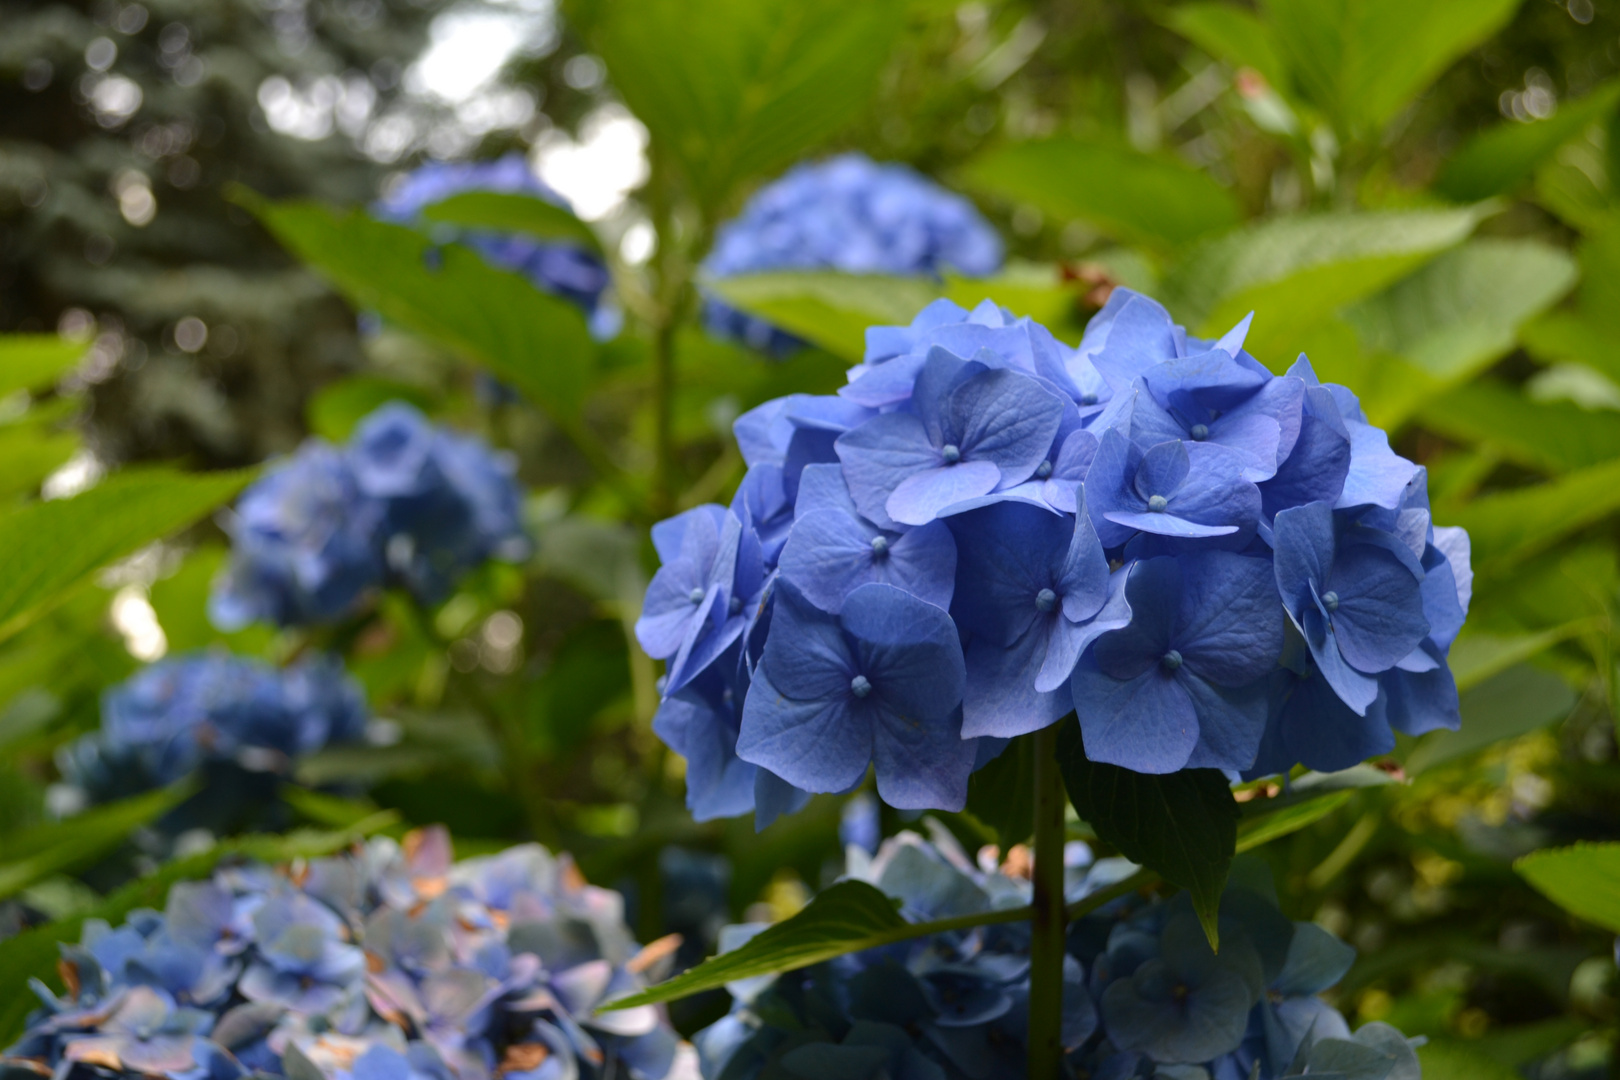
1175 489
880 682
851 214
558 267
1184 685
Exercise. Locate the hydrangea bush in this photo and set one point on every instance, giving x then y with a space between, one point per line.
390 962
986 529
558 267
405 503
852 214
244 721
1143 993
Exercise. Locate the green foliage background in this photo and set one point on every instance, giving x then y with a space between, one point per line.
1417 195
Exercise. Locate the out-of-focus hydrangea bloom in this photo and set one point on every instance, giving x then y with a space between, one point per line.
558 267
215 711
986 529
387 963
852 214
1143 994
405 503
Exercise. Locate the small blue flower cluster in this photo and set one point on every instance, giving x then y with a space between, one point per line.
404 503
560 268
176 716
985 529
1143 994
850 214
389 963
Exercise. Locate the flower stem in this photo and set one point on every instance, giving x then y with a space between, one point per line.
1048 921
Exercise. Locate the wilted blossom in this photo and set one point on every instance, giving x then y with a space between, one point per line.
851 214
559 267
986 529
404 503
390 962
244 718
1143 993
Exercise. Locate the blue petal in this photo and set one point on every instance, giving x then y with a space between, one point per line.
924 495
817 745
1230 723
1007 419
1230 622
1316 961
1001 699
1146 724
1379 618
880 454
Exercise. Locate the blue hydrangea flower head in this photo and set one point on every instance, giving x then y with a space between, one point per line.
851 214
1211 565
560 268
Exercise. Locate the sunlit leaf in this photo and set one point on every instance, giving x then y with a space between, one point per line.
508 212
1229 33
1584 880
1512 525
1553 436
29 361
61 846
832 310
1500 159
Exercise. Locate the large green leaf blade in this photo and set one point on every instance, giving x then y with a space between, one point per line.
1515 702
1501 158
1229 33
1583 880
50 547
532 340
828 309
1127 194
1181 825
1293 272
508 212
732 89
845 918
59 847
28 361
1509 526
1552 436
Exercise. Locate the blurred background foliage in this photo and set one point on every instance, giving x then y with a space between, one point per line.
1417 195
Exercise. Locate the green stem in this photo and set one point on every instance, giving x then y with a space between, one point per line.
1047 914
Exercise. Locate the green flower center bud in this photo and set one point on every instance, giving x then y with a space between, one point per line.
1170 660
1330 600
1199 432
1045 600
1157 503
880 545
696 595
860 686
1043 470
951 453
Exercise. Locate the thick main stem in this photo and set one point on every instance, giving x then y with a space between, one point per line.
1048 923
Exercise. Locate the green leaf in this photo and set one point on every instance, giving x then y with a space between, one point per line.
1583 880
829 309
502 211
1294 271
1553 436
1129 195
1360 61
536 342
50 547
1230 33
845 918
1001 796
1269 823
62 846
1454 1059
1458 314
1181 825
33 953
733 89
1508 527
1520 700
1498 160
28 361
29 452
1477 656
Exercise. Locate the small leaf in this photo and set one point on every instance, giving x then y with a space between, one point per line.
1132 196
1583 880
52 546
828 309
1274 822
1498 160
1508 527
1001 795
1478 655
1181 825
28 361
507 212
845 918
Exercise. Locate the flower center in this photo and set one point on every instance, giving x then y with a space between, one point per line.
1330 600
860 686
951 453
1170 660
735 607
880 545
1088 399
1199 432
1045 600
696 595
1043 470
1157 503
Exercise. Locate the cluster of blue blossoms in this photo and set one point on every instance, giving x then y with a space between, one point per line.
1213 566
560 268
387 963
850 214
209 710
1143 994
404 503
